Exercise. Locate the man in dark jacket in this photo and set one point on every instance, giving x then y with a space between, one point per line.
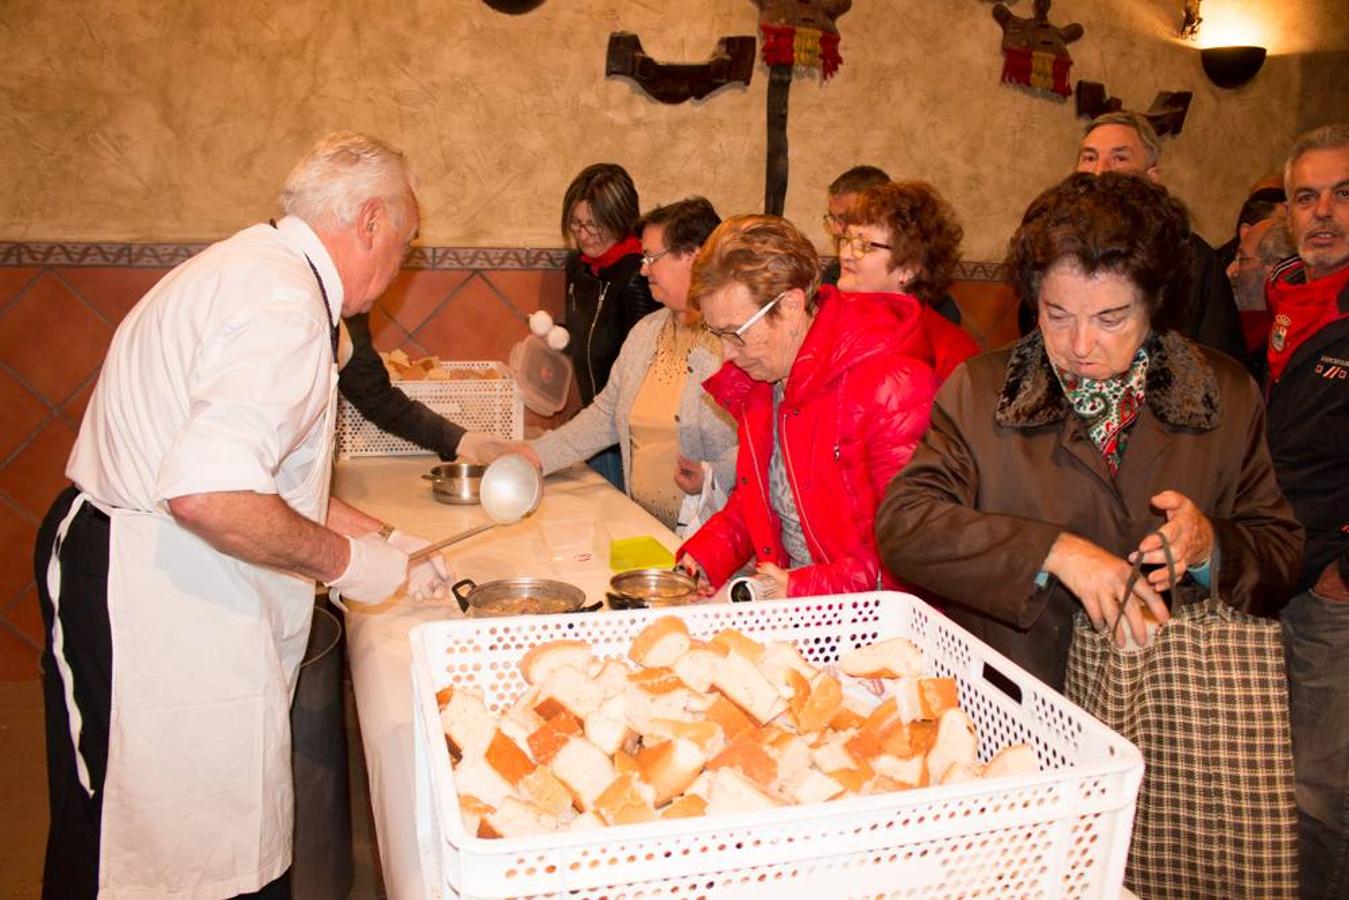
1308 423
1126 142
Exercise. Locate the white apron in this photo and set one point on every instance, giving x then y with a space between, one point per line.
205 650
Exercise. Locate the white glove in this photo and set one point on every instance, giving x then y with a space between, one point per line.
428 579
480 448
375 569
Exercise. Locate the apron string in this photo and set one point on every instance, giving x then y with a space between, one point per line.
63 671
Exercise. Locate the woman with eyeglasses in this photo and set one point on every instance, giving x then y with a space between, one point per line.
830 394
673 438
903 238
606 293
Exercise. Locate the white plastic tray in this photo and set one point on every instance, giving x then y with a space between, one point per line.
494 405
1063 832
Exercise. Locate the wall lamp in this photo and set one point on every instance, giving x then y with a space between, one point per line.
1231 67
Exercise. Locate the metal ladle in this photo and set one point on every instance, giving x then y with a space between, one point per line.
511 489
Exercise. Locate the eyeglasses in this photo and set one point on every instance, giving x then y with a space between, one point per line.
736 336
649 259
591 228
859 245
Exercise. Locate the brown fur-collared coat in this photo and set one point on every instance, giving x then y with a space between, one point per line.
1007 466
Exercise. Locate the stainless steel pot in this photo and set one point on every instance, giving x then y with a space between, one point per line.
519 597
640 588
459 483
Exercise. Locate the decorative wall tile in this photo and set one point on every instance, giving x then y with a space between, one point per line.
23 412
51 339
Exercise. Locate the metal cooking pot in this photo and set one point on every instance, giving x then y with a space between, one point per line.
640 588
459 483
519 597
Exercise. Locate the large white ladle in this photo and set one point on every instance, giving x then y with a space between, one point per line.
511 489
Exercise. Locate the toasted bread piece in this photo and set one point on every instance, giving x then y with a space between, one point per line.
892 658
585 770
956 744
734 642
938 695
660 643
477 778
790 752
468 725
549 738
516 818
741 681
728 717
905 740
1017 759
670 767
471 811
853 781
568 688
584 822
611 675
657 680
747 754
833 753
625 762
542 788
686 807
728 791
698 666
958 773
810 785
779 658
909 772
510 762
852 712
623 803
706 734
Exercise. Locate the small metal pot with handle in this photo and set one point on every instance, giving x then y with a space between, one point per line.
519 597
640 588
459 483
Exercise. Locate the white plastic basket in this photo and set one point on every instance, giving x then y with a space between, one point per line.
1063 832
494 405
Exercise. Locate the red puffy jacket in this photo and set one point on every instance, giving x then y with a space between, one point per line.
858 399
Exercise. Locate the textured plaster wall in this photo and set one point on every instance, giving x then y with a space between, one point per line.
139 120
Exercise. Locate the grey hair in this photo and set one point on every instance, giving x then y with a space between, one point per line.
1139 123
1277 243
340 174
1328 137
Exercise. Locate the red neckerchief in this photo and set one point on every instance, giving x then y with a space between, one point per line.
625 247
1301 308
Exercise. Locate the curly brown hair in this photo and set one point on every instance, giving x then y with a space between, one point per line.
924 231
766 254
1114 223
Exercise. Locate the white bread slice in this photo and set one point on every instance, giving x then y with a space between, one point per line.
585 821
740 680
476 777
467 723
686 807
731 792
706 734
698 666
568 688
585 770
779 658
611 675
892 658
642 708
959 773
516 818
542 788
911 772
670 767
832 754
471 811
791 753
1017 759
734 642
810 785
956 744
539 662
660 643
701 786
624 802
518 725
607 727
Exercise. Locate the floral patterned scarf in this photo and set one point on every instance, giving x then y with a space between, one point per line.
1108 407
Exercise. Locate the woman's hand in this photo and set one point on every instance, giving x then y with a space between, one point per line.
1189 532
1098 579
773 578
523 448
695 571
689 474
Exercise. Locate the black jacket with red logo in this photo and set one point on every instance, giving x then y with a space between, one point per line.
1309 421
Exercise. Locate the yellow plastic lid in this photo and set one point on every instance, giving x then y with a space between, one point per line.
639 553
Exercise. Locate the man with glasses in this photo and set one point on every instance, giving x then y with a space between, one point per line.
844 192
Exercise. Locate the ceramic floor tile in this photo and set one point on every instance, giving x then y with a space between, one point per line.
23 413
34 477
51 339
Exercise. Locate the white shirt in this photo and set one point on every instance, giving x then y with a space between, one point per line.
218 379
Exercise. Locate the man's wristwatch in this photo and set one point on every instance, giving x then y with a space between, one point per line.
385 530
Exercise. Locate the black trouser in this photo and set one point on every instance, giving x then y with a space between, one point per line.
71 868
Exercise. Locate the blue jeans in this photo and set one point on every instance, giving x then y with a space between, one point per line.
609 463
1316 641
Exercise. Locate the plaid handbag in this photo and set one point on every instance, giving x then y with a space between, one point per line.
1206 702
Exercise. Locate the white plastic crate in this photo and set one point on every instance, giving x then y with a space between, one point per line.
494 405
1063 832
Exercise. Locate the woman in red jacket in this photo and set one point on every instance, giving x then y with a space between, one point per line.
903 238
830 393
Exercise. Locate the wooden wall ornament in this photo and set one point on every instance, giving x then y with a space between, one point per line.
1035 51
733 62
796 34
1166 114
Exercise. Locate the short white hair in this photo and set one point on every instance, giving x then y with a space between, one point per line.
340 174
1328 137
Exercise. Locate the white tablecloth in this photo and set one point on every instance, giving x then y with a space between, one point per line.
377 643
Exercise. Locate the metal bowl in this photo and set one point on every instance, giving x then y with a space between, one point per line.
519 597
459 483
639 588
